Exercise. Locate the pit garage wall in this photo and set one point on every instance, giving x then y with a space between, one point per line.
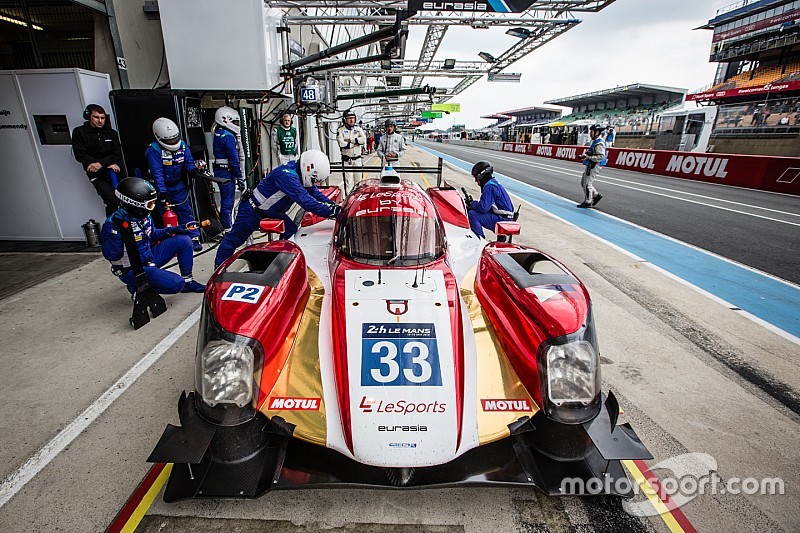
769 173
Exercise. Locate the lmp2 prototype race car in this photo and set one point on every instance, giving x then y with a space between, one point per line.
393 348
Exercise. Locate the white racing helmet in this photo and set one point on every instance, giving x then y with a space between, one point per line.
167 134
314 167
228 118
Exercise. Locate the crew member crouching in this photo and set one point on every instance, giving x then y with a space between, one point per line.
494 205
157 246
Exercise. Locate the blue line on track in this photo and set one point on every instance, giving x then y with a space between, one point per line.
773 301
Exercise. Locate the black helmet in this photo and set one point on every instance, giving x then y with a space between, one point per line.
596 127
482 170
349 113
390 122
136 196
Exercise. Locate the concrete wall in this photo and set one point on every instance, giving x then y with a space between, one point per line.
779 146
142 45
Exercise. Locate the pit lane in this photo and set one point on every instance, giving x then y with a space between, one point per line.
68 342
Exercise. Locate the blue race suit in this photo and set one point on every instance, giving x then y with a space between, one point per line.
272 198
226 165
494 206
165 169
157 246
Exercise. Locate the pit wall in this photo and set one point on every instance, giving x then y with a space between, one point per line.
768 173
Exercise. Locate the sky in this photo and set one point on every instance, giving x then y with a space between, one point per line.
631 41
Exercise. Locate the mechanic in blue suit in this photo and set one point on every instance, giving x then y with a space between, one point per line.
276 194
167 157
226 161
494 205
156 246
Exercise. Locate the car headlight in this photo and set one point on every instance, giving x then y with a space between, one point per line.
226 373
569 375
571 371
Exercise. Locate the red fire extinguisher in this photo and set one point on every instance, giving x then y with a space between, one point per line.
169 217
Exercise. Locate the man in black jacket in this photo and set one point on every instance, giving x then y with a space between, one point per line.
96 146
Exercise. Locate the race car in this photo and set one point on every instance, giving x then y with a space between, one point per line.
394 348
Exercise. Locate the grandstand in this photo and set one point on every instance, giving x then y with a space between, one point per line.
631 109
757 86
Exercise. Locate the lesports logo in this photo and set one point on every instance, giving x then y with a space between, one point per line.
400 407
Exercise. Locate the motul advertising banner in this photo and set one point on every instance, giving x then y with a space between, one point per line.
777 174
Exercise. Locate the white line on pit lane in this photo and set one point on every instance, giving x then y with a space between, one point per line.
605 179
14 483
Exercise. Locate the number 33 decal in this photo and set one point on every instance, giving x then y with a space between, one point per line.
389 360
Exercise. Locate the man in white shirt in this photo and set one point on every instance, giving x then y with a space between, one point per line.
351 139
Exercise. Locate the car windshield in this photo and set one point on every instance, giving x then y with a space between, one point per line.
391 240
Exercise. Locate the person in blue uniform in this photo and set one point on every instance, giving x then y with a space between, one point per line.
167 157
157 246
276 194
494 204
226 161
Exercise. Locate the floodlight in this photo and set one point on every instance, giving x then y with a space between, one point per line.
489 58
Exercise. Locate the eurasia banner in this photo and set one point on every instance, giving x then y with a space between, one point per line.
777 174
480 6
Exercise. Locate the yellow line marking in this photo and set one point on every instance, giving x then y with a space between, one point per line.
650 492
427 183
147 500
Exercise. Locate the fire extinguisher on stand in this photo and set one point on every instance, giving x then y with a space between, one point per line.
169 217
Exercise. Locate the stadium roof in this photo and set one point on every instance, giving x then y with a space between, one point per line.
496 116
623 91
739 9
529 110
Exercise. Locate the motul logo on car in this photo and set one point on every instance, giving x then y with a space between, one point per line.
506 405
709 166
636 160
294 404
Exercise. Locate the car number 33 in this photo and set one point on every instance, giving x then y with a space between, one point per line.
411 362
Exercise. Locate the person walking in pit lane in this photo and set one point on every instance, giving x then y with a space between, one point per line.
392 145
167 157
494 204
279 190
594 157
226 161
157 246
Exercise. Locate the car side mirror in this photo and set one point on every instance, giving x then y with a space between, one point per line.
272 226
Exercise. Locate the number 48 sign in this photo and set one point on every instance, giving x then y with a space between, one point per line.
400 355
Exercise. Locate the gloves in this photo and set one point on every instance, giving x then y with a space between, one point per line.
180 230
241 184
336 210
162 201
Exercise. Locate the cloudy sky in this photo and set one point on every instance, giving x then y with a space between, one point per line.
631 41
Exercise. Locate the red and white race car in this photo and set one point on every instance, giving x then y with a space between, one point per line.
393 348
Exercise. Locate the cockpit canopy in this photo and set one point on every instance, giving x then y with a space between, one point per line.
390 226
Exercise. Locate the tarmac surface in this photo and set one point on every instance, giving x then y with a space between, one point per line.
87 398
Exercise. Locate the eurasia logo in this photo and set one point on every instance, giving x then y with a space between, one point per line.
505 405
277 403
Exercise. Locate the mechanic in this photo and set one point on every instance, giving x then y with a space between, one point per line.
284 140
226 161
351 139
494 205
157 246
392 145
594 157
167 157
275 195
95 145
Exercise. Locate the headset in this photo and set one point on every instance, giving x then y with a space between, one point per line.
92 107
